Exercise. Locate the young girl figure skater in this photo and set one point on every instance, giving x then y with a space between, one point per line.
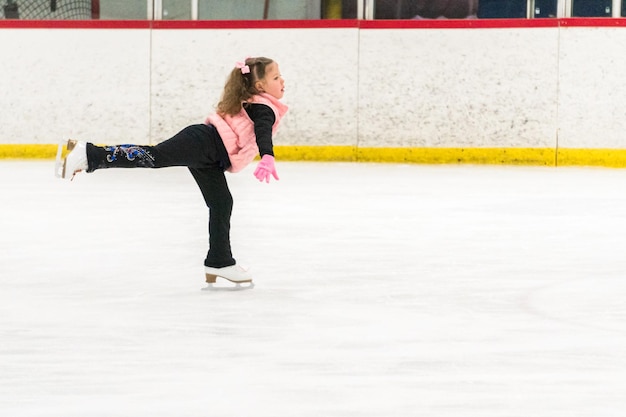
242 127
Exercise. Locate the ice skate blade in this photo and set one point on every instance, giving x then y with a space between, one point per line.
59 165
61 159
237 287
212 279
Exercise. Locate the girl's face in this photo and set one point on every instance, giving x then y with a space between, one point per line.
273 83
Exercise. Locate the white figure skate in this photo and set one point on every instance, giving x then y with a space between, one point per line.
235 274
75 161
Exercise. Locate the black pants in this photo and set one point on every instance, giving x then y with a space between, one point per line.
198 147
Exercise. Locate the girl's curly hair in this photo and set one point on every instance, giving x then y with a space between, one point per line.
240 87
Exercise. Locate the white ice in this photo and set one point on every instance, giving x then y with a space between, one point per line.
381 290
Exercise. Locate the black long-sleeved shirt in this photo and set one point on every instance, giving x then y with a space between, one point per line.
263 117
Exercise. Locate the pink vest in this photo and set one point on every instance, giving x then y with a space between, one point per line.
237 131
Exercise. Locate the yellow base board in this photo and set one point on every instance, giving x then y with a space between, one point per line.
615 158
28 151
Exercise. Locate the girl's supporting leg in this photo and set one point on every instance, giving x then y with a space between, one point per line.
212 183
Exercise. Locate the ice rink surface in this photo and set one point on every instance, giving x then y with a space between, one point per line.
381 290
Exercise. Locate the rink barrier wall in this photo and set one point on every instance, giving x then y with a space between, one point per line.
542 92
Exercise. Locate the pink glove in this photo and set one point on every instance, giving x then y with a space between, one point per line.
265 168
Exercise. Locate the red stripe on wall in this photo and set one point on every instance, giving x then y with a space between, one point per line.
75 24
176 24
458 23
593 22
308 24
253 24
